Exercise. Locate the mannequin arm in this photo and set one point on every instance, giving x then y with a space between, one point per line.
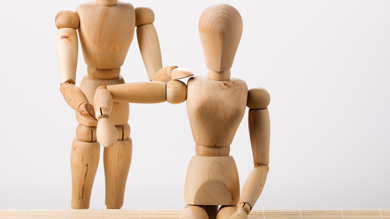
138 92
67 52
259 131
148 40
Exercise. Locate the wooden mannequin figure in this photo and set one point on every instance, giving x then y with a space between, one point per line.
106 29
216 105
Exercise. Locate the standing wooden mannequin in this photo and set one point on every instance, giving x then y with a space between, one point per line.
106 29
216 105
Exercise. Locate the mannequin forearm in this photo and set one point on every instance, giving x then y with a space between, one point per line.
67 53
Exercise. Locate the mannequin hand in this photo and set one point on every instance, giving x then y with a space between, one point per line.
164 74
87 111
242 211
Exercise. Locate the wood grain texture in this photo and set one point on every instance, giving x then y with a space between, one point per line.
107 3
143 15
164 74
150 49
67 19
117 161
73 95
139 92
123 132
202 150
120 111
194 212
175 214
180 73
85 133
220 29
86 110
176 92
239 214
258 98
218 76
215 109
103 74
212 181
84 163
106 33
259 132
254 185
67 53
106 132
102 100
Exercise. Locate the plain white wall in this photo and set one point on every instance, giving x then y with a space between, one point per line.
325 63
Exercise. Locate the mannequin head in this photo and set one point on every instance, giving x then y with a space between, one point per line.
220 29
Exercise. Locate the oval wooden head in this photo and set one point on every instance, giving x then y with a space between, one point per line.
220 29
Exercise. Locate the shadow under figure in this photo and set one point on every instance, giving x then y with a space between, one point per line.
216 105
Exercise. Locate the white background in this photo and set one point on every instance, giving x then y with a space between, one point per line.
325 63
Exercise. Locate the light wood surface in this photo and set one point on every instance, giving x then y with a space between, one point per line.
67 53
220 29
254 185
143 15
139 92
123 131
67 19
120 111
73 95
259 132
212 181
171 72
245 207
117 161
164 74
102 100
106 133
106 30
180 73
194 212
85 133
215 109
202 150
86 110
150 49
175 214
218 76
215 106
105 33
107 3
239 214
84 163
103 74
258 98
176 92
